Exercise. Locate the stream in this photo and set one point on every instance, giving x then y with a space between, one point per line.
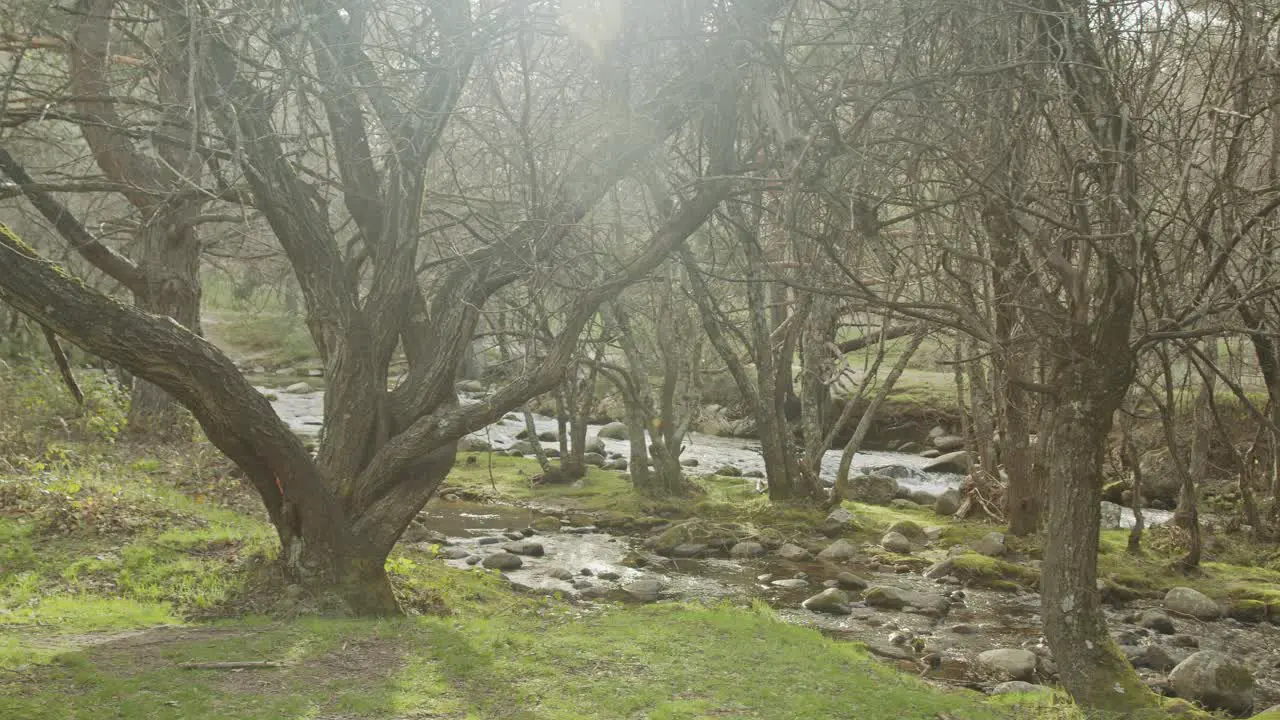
586 564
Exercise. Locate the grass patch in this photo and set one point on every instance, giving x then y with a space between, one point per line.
269 339
666 661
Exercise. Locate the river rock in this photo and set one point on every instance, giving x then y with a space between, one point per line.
896 542
930 453
948 443
503 561
1157 621
872 489
593 459
794 553
746 549
473 559
1149 656
838 551
838 522
644 590
831 600
454 553
791 583
595 445
688 550
546 524
910 447
298 388
560 573
1187 601
529 548
892 598
1020 687
910 531
729 471
1215 681
952 462
616 465
991 545
1112 516
689 462
612 431
849 581
921 497
1016 663
948 503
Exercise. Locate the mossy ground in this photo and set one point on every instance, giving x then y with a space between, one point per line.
119 563
99 607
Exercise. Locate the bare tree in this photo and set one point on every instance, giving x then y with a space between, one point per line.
384 452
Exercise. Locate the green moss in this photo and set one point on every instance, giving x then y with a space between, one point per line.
994 573
1248 610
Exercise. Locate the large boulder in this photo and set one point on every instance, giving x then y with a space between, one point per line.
1152 656
953 462
838 551
525 547
794 553
1192 603
613 431
1157 621
595 445
991 545
746 549
948 503
893 598
1018 687
832 601
645 590
872 489
838 522
1014 663
1112 516
1160 480
503 561
896 542
592 458
910 531
1215 681
948 443
695 532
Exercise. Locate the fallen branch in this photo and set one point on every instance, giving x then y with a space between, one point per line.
235 665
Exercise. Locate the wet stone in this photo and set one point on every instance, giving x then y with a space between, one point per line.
608 575
454 553
503 561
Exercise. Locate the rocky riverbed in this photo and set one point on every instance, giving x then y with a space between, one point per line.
907 608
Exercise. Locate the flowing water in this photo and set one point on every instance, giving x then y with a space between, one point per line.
304 414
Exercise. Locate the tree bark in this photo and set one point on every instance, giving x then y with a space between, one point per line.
1092 668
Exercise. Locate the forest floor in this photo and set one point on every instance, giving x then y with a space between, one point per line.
119 564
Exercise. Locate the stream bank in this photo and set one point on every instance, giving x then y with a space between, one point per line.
907 608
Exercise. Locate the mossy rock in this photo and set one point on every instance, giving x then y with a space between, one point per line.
910 531
982 571
615 520
1114 492
697 532
1251 611
546 523
916 564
